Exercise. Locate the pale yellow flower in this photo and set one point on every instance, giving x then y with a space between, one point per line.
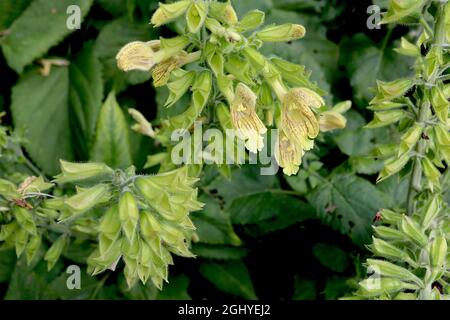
331 120
245 121
288 154
297 119
138 55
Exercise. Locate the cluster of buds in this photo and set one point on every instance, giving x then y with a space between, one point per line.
140 219
414 244
150 222
247 81
147 217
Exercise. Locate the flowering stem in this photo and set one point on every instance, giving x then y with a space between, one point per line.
415 184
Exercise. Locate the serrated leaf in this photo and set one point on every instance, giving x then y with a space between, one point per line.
348 204
41 26
112 144
231 277
40 110
367 63
213 224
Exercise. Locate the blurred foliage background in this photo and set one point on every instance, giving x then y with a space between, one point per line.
268 237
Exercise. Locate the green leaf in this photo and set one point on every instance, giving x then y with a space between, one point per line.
305 289
85 97
219 252
7 262
271 211
10 10
245 180
112 144
41 26
231 277
111 39
31 282
336 287
176 289
40 110
367 63
213 224
117 7
331 257
349 204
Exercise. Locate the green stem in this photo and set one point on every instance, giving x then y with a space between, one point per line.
415 184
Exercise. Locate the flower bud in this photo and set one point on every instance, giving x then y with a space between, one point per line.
196 15
128 214
223 12
179 87
34 184
440 103
392 166
387 250
409 140
251 20
432 210
391 217
388 233
294 74
239 68
110 223
281 33
412 229
169 12
432 173
385 105
408 49
385 118
55 251
257 60
86 199
438 252
401 9
392 90
215 59
330 120
391 270
142 126
376 287
73 172
150 227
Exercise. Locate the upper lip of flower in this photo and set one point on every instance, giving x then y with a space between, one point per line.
138 55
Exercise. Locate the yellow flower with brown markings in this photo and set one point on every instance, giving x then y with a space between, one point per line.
245 121
161 72
288 155
297 118
138 55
